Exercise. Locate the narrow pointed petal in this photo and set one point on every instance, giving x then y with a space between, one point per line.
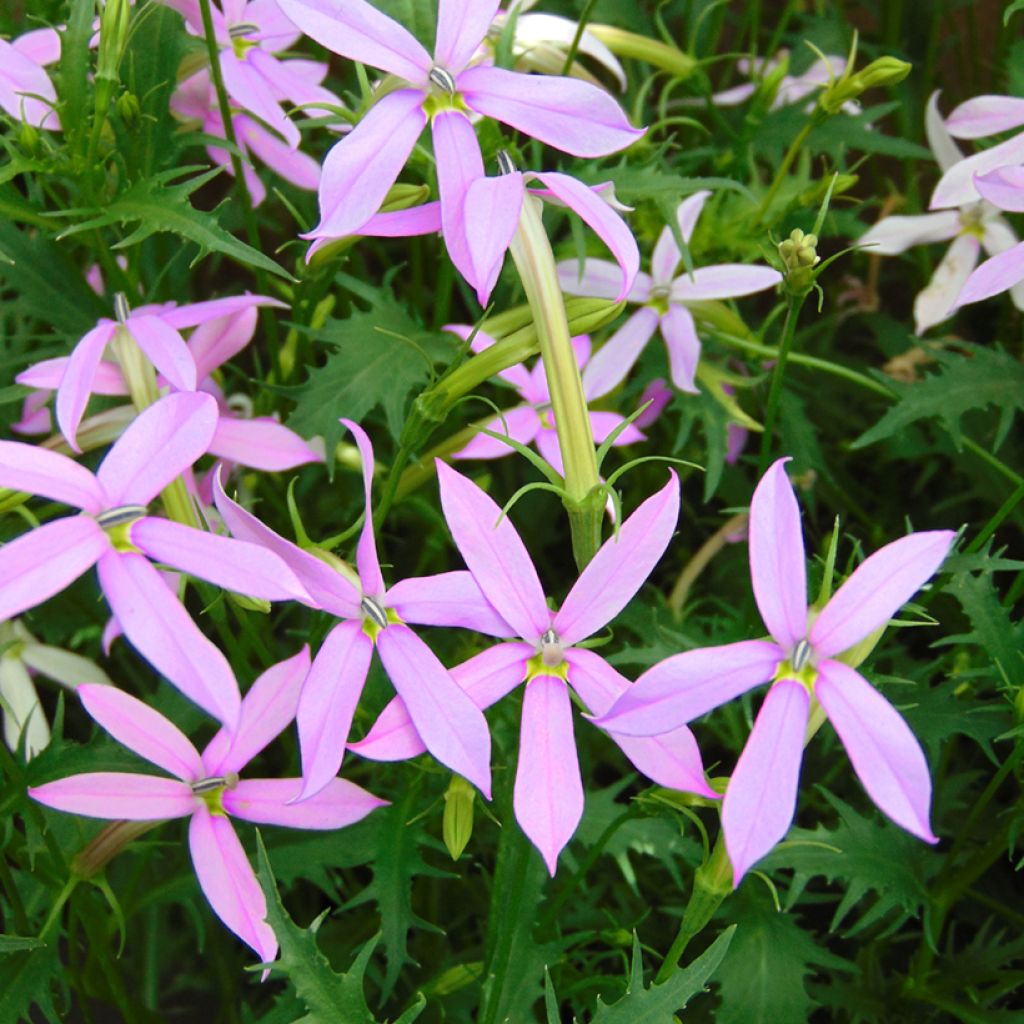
620 567
42 562
233 564
565 113
273 802
165 440
520 425
142 730
357 30
603 423
683 345
447 599
761 799
613 361
550 449
494 553
417 220
599 279
196 313
877 589
491 210
946 151
267 710
996 275
228 883
451 726
366 550
117 795
461 27
158 627
459 164
956 186
215 341
62 666
249 89
166 350
778 571
48 373
79 373
328 701
998 237
724 281
893 235
486 678
666 255
327 588
944 292
360 169
605 222
548 797
1003 188
23 714
261 443
27 467
686 686
985 115
291 164
885 754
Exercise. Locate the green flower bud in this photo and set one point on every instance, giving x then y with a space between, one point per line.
249 604
28 139
457 826
129 110
113 36
881 72
652 51
799 255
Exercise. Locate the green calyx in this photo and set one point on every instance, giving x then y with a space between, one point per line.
536 666
439 102
211 791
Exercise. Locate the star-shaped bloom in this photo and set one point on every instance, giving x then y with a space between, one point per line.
375 616
444 89
116 533
532 421
802 661
26 92
548 658
662 298
250 35
259 442
974 224
207 789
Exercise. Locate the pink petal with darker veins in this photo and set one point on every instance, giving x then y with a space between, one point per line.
761 799
165 348
196 313
227 880
548 796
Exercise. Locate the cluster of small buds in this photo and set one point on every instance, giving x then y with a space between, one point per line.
799 255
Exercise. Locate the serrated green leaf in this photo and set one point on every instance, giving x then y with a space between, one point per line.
981 378
659 1003
27 980
157 206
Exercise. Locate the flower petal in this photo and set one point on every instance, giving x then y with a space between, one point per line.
451 726
27 467
519 424
357 30
605 222
956 186
165 440
273 802
328 702
877 589
77 381
724 281
291 164
447 599
261 443
946 151
267 710
1003 187
117 795
686 686
893 235
761 799
42 562
997 274
358 172
227 880
461 27
620 567
985 115
195 313
250 90
939 299
608 369
997 237
548 797
417 220
886 756
366 550
165 348
666 255
599 279
565 113
159 628
494 553
23 714
142 730
233 564
683 345
778 571
490 218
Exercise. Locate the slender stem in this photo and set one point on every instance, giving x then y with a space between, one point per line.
775 391
787 161
13 896
58 906
993 524
581 27
701 559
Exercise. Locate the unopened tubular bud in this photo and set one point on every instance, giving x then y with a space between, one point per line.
129 110
457 825
881 72
651 51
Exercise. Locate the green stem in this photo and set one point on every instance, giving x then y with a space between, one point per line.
58 906
581 26
13 897
787 161
775 391
1000 515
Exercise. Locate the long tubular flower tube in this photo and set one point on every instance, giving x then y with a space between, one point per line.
207 789
444 90
662 297
375 617
802 659
115 533
548 796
